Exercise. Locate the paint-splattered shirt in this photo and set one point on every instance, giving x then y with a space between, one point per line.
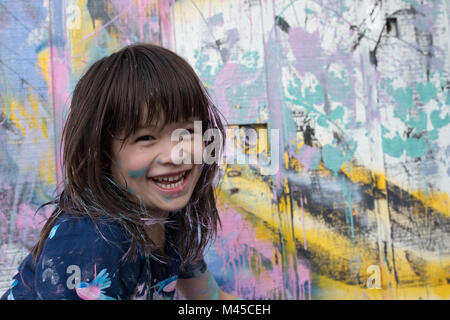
82 260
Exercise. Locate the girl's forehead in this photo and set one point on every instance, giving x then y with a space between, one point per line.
161 123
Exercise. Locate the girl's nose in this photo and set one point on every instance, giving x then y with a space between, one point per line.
175 153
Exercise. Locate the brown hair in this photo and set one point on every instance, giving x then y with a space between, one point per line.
112 97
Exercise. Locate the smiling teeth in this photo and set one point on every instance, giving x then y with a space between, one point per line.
170 186
169 179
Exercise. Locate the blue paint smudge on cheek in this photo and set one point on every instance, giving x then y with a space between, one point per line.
131 191
137 173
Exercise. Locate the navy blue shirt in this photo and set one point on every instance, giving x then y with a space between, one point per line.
82 260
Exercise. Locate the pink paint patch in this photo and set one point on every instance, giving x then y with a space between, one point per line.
306 48
148 221
308 157
60 92
237 239
90 293
170 287
164 7
223 81
27 221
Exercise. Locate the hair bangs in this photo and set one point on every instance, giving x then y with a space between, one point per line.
150 88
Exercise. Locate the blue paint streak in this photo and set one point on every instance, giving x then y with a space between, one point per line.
137 173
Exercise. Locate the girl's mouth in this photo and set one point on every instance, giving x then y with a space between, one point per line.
171 185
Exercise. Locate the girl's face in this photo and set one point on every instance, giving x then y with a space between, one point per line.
145 165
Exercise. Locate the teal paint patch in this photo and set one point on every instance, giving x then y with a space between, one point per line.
433 134
393 146
420 124
202 65
337 113
332 157
415 148
315 97
322 121
250 60
309 99
404 100
357 125
412 2
338 89
437 121
427 92
137 173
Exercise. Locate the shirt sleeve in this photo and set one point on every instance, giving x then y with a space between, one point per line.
82 261
193 269
22 282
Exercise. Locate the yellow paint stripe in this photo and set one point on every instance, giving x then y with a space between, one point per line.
321 239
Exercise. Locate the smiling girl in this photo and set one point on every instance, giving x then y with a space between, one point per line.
130 223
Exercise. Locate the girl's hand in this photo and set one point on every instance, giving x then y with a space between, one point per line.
203 287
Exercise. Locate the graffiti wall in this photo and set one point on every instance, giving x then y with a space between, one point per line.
344 104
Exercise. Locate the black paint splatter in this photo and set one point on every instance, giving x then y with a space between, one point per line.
279 21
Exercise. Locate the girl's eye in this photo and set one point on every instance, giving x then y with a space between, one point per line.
145 138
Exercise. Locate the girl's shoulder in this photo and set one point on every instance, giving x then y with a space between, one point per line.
84 231
81 258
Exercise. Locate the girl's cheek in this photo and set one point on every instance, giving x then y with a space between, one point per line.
135 174
134 165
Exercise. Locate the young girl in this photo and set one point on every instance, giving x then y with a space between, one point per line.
130 223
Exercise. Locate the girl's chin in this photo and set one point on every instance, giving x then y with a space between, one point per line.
171 205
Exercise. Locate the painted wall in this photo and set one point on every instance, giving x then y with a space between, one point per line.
359 93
